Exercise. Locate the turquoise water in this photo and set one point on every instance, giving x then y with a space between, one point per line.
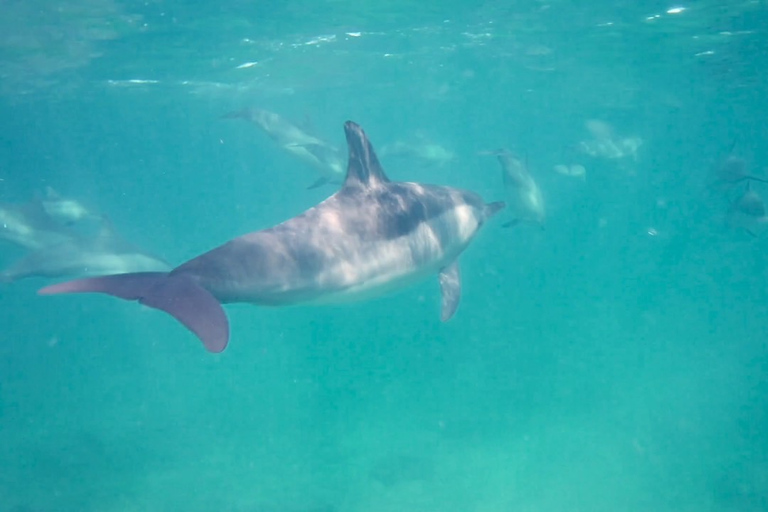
615 360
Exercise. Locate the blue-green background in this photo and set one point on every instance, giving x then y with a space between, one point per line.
615 361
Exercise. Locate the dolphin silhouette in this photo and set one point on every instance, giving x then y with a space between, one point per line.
524 194
83 255
370 237
325 158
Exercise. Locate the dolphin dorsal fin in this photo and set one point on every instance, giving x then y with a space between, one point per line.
363 169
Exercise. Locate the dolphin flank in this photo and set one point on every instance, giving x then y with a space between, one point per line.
370 237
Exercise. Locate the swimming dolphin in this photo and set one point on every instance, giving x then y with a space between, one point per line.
748 211
84 255
370 237
429 153
733 169
523 192
325 158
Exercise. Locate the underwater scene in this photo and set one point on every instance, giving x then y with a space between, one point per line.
383 256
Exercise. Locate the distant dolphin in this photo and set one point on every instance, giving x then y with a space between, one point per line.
524 194
748 211
370 237
325 158
749 203
427 152
79 256
733 169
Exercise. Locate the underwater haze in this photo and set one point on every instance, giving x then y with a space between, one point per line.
610 356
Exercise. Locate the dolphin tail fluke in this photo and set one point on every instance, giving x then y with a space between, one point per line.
177 295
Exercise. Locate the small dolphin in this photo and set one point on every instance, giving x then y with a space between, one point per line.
523 192
81 255
748 211
429 153
325 158
749 203
733 169
371 237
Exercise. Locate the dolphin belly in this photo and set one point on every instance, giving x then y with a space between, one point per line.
279 267
391 265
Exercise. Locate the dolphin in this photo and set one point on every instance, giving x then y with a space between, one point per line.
431 154
372 236
733 169
749 203
748 211
325 158
522 190
82 255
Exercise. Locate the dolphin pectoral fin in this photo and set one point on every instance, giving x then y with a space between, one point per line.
450 287
323 180
177 295
193 306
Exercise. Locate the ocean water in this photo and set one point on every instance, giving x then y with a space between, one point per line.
615 360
